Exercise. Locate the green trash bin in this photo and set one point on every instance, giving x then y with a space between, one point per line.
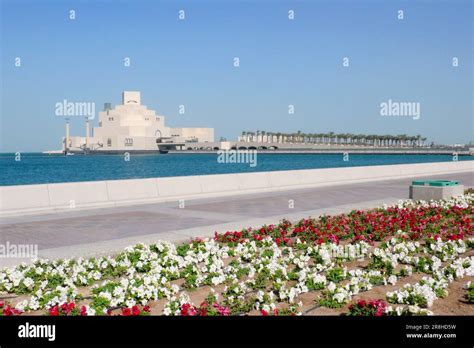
435 183
428 190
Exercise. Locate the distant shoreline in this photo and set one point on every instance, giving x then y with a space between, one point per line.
278 151
341 151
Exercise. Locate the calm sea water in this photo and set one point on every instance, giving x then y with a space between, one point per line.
37 168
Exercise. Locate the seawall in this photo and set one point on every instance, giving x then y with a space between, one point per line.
62 197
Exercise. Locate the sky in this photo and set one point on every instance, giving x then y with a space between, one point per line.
283 62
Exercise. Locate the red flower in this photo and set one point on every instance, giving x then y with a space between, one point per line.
147 308
54 311
7 311
188 310
83 310
135 310
126 312
184 309
67 307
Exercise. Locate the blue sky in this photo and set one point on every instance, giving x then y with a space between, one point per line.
282 62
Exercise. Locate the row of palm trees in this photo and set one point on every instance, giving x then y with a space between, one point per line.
332 138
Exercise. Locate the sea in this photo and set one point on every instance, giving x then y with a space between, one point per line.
38 168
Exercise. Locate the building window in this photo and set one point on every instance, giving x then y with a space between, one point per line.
111 118
128 141
109 142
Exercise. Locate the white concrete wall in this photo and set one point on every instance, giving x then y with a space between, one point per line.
34 199
201 134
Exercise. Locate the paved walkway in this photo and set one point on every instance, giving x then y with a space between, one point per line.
104 231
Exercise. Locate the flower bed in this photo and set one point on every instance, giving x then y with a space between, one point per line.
283 269
374 308
470 292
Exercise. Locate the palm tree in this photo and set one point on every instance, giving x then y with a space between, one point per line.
251 135
269 137
418 140
330 137
278 137
401 140
341 137
404 138
348 138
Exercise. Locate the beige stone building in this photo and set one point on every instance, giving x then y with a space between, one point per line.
131 126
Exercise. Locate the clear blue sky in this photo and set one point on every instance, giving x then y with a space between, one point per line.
283 62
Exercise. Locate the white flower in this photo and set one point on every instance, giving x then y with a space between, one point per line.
34 304
331 286
130 303
21 305
106 295
90 311
28 282
339 297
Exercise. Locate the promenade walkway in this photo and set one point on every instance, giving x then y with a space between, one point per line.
105 231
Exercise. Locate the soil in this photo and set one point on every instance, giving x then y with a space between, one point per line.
453 304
